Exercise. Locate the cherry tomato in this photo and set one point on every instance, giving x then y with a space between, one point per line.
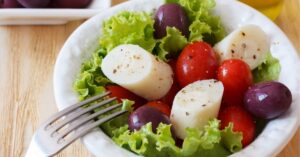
236 77
242 122
197 61
122 93
162 107
169 97
172 63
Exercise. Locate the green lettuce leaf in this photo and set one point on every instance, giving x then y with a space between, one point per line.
171 45
127 105
202 142
268 70
206 143
232 140
137 141
198 29
115 124
91 80
128 28
204 25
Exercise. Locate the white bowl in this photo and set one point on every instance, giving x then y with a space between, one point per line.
26 16
234 14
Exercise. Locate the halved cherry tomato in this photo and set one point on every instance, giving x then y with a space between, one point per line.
162 107
236 77
122 93
197 61
242 122
169 97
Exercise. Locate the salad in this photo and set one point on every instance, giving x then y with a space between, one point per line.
192 89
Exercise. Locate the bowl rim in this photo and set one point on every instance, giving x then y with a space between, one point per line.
285 126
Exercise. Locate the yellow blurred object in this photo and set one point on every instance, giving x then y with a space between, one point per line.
270 8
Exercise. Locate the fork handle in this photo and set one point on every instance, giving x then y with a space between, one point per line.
34 150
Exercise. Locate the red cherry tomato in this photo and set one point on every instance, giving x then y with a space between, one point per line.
162 107
122 93
172 63
236 77
196 62
169 97
242 122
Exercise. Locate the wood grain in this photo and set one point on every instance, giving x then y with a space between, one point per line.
289 22
28 54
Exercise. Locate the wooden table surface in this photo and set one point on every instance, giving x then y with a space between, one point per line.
27 57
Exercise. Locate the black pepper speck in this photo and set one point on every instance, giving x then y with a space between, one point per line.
243 34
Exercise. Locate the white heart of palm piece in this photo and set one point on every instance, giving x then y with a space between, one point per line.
195 105
248 43
137 70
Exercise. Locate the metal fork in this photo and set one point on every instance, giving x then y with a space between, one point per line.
61 129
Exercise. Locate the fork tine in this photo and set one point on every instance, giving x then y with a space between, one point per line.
86 119
87 128
74 107
71 118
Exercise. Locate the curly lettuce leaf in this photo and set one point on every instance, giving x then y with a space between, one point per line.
91 80
127 105
145 142
232 140
198 29
137 141
206 143
269 70
109 127
199 142
128 28
204 25
171 45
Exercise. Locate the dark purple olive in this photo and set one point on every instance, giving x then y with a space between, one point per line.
51 4
268 100
171 15
10 4
71 3
144 115
34 3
